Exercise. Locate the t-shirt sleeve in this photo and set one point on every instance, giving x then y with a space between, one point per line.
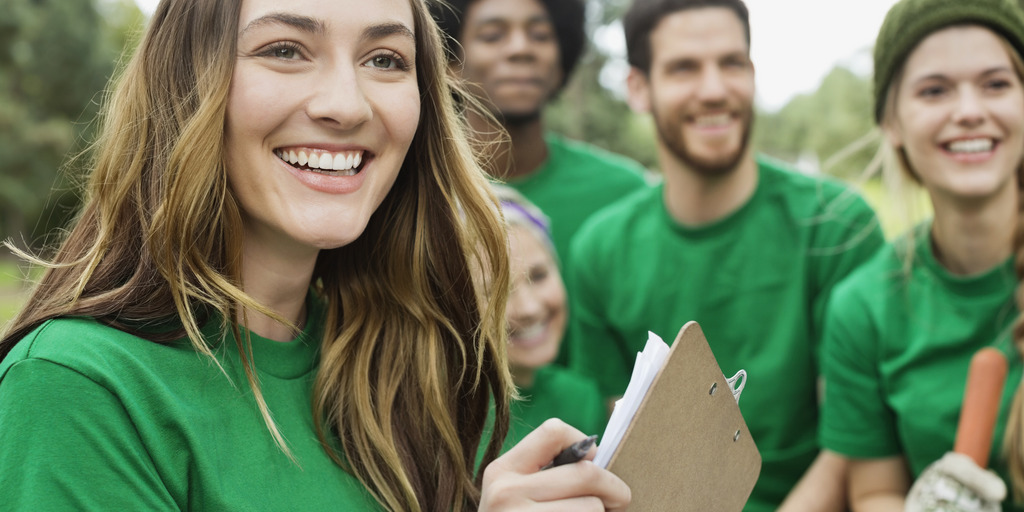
856 421
69 444
594 348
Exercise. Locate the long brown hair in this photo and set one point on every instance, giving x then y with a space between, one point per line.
409 360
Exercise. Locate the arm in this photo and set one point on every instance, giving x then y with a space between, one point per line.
515 481
879 485
822 488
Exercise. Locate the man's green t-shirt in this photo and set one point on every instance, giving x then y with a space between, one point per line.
896 351
93 418
756 281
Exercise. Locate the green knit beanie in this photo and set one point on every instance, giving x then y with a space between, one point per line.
910 21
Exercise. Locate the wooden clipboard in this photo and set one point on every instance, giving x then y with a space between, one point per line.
688 448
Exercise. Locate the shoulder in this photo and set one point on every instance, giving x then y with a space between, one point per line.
85 346
781 178
591 156
611 225
863 285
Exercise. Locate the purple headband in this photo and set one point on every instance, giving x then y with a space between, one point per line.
540 223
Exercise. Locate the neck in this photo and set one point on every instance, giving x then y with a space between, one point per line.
971 238
279 281
695 199
523 377
518 155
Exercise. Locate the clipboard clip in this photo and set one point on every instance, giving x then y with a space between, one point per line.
740 376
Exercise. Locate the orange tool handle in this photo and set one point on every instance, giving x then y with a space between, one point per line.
984 392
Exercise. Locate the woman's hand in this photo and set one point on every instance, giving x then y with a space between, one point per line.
515 480
956 483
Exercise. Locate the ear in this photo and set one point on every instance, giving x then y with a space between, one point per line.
892 133
638 90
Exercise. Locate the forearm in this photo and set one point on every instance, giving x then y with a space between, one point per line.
878 485
822 488
880 502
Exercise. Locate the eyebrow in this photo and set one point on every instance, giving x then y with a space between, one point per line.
303 23
499 20
317 27
382 30
987 72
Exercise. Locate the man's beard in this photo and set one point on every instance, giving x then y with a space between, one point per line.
671 134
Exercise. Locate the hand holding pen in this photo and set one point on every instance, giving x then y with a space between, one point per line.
520 480
574 453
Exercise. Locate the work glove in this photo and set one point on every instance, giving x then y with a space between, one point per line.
955 483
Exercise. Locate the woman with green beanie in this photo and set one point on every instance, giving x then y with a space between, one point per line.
901 330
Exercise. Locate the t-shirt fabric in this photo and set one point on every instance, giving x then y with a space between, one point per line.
896 352
93 418
557 392
756 281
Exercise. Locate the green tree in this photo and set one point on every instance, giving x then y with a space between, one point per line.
55 59
823 126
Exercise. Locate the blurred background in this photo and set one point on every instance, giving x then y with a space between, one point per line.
812 59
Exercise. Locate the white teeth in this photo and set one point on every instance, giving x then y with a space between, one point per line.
346 161
715 120
971 146
530 332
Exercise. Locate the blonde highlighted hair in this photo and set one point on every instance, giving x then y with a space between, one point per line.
409 361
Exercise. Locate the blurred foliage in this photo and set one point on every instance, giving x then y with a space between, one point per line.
821 126
55 59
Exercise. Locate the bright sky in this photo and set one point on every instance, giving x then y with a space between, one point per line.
795 43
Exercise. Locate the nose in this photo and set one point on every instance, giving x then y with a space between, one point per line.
339 98
712 87
523 304
519 45
970 110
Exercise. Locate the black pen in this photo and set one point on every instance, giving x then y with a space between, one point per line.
574 453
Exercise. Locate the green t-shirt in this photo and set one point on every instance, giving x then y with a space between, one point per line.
576 180
557 392
896 351
756 281
92 418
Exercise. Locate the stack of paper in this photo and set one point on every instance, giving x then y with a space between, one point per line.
648 363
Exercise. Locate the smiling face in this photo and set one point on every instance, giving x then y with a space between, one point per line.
959 114
322 107
536 310
510 53
700 88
